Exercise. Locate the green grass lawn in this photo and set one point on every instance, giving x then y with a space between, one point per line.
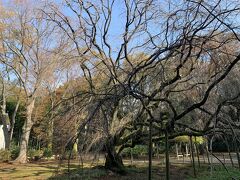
218 173
48 170
27 171
178 172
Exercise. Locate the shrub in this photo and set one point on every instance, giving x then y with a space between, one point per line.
14 151
47 152
74 154
34 154
138 150
5 155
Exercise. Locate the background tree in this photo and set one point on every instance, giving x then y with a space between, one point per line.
30 45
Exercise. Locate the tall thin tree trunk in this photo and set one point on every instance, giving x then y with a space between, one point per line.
50 131
237 152
211 150
192 155
167 156
131 156
207 153
50 134
22 157
197 150
229 151
224 161
203 158
150 151
158 157
13 119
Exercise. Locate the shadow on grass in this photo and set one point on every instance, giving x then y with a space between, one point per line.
80 173
218 173
52 171
7 170
133 173
30 170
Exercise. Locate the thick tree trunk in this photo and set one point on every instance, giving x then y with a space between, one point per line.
22 157
114 160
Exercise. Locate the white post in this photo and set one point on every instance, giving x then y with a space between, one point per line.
2 138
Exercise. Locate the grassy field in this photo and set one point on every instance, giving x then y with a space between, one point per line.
50 170
218 173
27 171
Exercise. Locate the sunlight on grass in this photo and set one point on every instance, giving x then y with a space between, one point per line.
36 170
33 171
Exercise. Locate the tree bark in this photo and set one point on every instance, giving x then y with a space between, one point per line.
131 154
167 156
22 157
237 152
193 161
150 151
229 151
51 123
13 119
207 153
197 151
114 161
